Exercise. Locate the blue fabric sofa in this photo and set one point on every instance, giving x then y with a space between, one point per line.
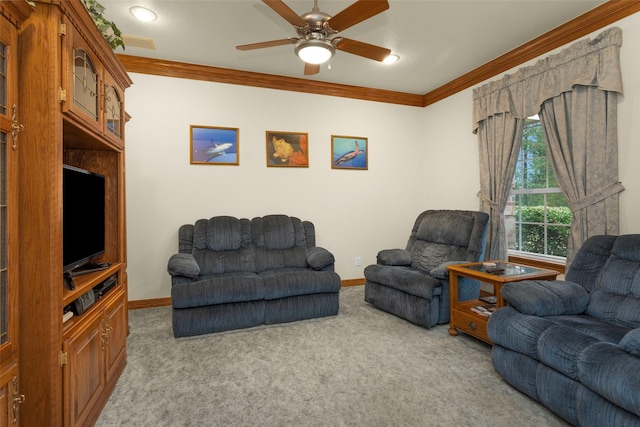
235 273
574 345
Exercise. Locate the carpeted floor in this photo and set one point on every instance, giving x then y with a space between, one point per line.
363 367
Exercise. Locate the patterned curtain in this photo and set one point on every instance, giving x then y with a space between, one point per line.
499 139
562 88
582 141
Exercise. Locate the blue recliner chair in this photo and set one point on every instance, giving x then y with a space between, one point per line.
413 283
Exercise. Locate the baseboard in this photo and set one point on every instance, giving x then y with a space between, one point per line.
149 303
162 302
353 282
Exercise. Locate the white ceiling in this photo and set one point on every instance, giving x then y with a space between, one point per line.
437 40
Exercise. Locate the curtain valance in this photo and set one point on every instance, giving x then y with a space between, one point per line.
588 63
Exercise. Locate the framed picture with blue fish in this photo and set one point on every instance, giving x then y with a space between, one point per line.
211 145
349 152
287 149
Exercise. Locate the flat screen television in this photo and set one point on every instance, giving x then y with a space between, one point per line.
83 216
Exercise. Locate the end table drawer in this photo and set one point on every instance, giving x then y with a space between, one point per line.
471 323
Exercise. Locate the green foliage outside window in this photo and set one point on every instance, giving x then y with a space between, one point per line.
532 229
542 217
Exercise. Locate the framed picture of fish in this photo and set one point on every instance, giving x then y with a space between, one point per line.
349 152
212 145
287 149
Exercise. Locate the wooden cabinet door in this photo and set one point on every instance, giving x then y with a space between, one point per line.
84 373
114 116
116 329
81 73
10 129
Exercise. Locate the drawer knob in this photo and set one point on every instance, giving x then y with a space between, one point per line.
473 326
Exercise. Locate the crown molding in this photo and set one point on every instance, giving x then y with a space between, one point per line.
161 67
591 21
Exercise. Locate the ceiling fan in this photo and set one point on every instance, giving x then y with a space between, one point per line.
314 44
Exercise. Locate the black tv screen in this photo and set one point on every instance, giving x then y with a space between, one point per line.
83 204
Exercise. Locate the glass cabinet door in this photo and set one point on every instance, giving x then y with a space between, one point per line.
113 106
10 398
85 84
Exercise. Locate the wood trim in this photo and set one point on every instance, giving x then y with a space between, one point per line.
162 302
353 282
597 18
149 303
161 67
593 20
538 263
16 11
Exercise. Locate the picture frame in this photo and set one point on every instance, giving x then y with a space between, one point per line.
349 152
287 149
214 145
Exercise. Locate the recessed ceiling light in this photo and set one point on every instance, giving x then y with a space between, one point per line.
143 14
391 59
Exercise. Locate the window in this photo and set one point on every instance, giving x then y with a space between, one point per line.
537 215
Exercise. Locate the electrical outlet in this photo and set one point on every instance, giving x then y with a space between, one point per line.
357 261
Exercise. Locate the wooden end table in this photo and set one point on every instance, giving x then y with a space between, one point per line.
462 317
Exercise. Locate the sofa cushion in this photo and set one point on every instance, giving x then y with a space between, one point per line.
546 297
616 297
221 233
612 373
183 265
597 328
218 289
278 232
560 347
446 228
415 282
426 256
288 282
631 342
521 334
279 241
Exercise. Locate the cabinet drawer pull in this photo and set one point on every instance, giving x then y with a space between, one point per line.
473 326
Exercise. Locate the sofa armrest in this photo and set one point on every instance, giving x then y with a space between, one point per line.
183 265
442 272
319 258
546 297
394 257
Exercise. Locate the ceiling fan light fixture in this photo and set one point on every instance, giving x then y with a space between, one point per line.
143 14
314 51
391 59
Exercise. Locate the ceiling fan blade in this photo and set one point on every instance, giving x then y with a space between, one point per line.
363 49
310 69
286 12
271 43
359 11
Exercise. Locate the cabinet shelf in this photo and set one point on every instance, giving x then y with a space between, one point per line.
86 282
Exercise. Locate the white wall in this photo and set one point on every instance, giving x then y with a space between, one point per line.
356 213
420 158
449 122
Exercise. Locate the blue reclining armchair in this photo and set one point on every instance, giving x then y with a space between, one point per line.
413 283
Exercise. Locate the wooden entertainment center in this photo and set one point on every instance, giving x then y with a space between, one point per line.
70 106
